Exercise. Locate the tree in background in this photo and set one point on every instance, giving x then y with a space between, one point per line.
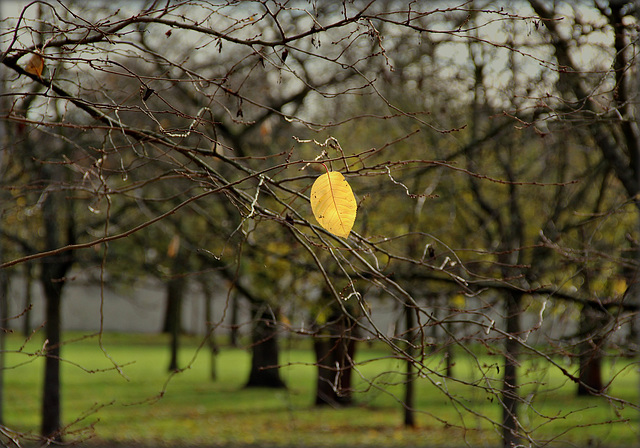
599 96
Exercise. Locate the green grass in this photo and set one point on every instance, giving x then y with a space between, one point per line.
146 405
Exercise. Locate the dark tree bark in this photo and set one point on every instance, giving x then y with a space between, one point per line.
589 351
210 329
592 320
449 351
509 385
4 312
264 350
52 276
51 398
409 391
173 318
4 278
172 306
28 299
334 356
234 333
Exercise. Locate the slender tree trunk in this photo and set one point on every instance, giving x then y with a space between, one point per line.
172 306
51 397
53 273
53 281
4 314
590 354
173 320
334 357
325 392
4 303
449 352
590 372
590 323
209 328
176 286
509 386
264 350
28 299
634 292
409 391
634 285
234 336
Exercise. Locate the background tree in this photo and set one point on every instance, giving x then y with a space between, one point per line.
610 79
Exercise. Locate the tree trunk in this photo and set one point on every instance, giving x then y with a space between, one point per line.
173 318
334 358
51 397
28 299
590 372
53 273
325 392
591 320
634 290
172 307
589 352
210 329
4 304
449 352
4 314
510 380
264 350
409 391
234 336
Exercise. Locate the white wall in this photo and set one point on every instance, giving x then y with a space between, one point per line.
141 310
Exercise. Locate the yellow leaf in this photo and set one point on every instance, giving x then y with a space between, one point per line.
333 203
35 65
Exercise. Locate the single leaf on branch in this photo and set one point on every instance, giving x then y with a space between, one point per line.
333 203
35 65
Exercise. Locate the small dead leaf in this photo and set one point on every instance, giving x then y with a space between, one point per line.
174 246
35 65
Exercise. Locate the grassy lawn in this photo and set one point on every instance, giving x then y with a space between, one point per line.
144 404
